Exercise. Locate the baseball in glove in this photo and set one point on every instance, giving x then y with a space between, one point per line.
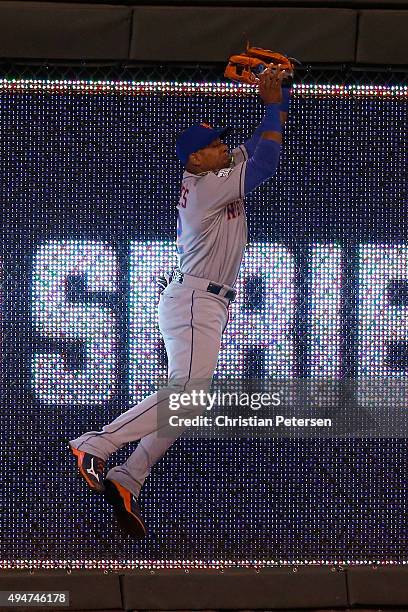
248 65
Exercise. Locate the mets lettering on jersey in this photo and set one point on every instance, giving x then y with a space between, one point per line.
234 209
211 223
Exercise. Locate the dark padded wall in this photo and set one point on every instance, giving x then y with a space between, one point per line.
315 32
63 31
383 34
203 34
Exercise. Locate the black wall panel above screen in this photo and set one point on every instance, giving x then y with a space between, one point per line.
383 37
64 31
208 34
328 32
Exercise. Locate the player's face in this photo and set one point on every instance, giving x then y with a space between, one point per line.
215 156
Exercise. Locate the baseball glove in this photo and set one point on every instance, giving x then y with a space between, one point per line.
248 65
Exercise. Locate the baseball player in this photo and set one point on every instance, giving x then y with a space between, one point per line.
193 308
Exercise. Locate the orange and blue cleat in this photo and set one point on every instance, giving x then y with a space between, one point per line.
91 469
126 509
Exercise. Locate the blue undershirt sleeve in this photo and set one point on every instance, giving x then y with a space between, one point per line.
262 165
265 159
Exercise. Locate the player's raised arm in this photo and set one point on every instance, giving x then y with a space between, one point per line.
264 161
263 88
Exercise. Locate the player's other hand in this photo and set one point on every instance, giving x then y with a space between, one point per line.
164 280
270 84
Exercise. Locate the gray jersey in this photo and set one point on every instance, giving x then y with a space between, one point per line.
211 225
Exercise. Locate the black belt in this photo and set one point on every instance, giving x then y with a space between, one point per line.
230 294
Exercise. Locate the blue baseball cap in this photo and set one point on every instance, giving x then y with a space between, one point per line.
196 137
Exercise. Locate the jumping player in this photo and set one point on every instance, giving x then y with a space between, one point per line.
193 308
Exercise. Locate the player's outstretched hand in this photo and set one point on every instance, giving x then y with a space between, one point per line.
270 84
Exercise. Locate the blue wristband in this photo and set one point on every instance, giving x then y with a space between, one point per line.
272 115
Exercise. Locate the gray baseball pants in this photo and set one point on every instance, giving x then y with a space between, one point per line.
191 322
